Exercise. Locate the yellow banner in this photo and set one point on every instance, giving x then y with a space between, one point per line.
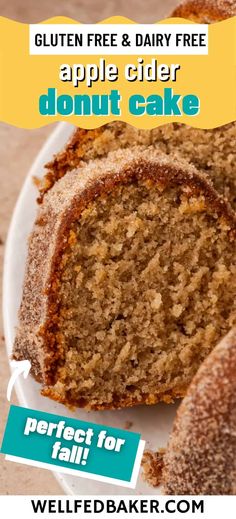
96 77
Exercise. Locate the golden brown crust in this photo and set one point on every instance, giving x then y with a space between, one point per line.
201 454
36 337
206 11
118 402
67 159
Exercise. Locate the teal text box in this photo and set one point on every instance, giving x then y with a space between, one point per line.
38 447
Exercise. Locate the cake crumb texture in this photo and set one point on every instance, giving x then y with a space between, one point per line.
152 467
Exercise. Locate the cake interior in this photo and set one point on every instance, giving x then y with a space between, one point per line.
146 288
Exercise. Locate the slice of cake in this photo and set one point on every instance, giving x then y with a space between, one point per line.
201 455
130 282
213 152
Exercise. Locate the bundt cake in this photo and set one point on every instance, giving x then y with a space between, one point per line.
201 454
130 283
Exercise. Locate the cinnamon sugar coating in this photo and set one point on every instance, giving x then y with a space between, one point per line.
206 11
212 152
201 454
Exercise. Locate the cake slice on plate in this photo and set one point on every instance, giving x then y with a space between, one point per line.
130 279
130 282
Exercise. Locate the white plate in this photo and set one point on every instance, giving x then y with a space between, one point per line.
153 422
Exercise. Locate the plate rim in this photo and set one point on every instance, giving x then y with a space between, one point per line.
8 331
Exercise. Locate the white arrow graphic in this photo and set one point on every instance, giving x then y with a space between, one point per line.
21 367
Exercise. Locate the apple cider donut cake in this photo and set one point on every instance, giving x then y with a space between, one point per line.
130 281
